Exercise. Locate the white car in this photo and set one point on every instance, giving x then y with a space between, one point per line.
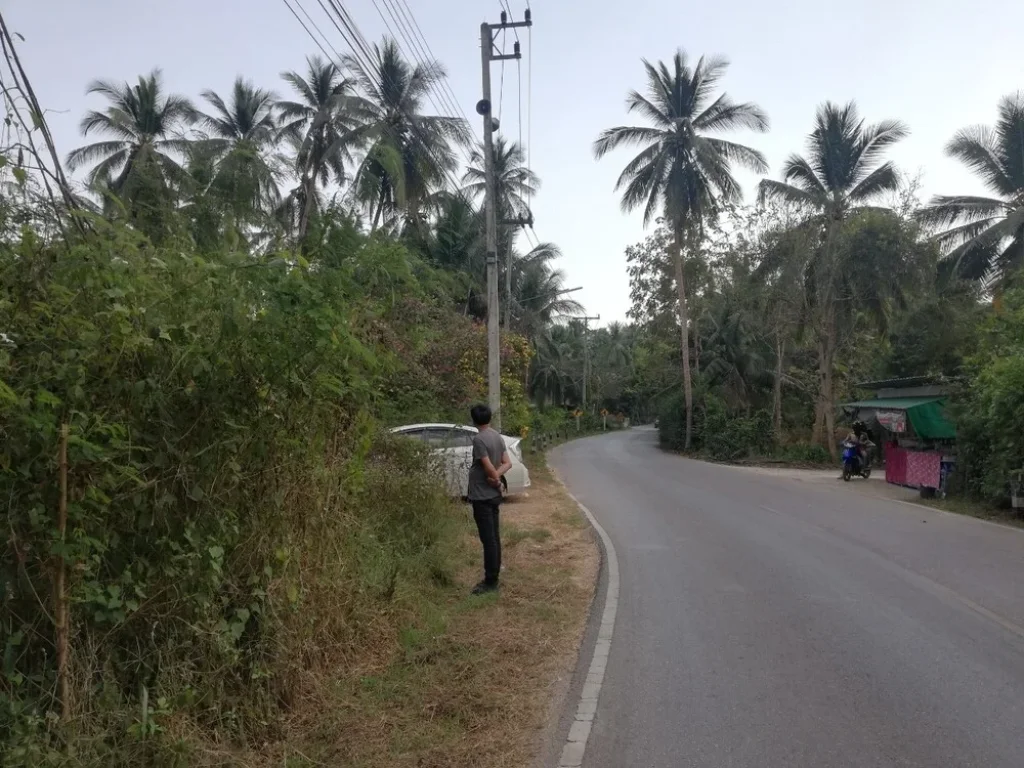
453 444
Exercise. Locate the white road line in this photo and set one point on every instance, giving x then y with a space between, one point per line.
586 711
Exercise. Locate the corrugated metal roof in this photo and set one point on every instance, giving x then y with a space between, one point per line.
906 381
893 403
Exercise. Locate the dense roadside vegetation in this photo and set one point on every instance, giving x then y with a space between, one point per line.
840 274
202 343
200 347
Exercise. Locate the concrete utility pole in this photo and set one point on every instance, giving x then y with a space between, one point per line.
483 108
586 357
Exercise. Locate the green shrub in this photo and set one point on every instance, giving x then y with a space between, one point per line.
235 521
716 433
803 453
989 407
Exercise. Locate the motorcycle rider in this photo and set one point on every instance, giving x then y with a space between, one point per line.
859 437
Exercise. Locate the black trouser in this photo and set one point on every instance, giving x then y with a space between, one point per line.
486 515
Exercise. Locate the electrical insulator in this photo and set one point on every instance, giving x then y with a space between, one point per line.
515 48
527 16
504 18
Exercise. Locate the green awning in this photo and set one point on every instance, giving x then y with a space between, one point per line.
926 414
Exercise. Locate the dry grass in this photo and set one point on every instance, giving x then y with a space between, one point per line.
973 508
463 681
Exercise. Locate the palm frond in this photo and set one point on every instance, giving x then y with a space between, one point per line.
93 152
798 171
872 143
944 211
769 190
740 154
723 115
624 136
976 147
113 122
884 178
644 187
706 76
1010 133
637 102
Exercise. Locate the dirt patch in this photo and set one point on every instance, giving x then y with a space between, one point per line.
470 683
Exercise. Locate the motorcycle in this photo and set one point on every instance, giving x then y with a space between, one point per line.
853 463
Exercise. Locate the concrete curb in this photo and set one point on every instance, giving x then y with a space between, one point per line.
586 710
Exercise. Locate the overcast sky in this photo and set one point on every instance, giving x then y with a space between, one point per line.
938 65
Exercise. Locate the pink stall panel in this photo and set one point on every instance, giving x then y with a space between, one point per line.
924 469
917 469
895 464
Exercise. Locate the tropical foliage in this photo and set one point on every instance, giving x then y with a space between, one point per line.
684 171
985 235
194 385
837 276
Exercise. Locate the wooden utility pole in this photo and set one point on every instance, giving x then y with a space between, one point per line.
484 109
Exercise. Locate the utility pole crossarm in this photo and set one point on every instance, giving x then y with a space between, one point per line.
519 221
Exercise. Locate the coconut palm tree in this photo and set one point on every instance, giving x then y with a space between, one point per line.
559 355
735 353
410 154
321 122
985 235
146 129
684 171
242 137
538 291
618 345
514 184
842 173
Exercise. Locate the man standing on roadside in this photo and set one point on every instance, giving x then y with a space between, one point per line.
490 462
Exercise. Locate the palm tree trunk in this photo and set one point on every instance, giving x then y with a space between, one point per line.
824 412
828 394
696 347
309 200
684 324
824 417
777 388
817 431
380 209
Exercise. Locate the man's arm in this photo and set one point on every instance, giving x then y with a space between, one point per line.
495 473
480 454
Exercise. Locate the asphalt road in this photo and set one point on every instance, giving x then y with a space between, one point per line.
768 622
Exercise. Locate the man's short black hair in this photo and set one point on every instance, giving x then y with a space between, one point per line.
481 414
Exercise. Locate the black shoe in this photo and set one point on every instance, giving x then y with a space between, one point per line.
484 588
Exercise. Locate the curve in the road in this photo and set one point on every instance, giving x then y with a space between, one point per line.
764 621
586 708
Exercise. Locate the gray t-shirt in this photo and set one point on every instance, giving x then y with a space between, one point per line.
488 443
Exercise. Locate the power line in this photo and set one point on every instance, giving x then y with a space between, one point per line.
431 92
437 87
501 87
529 107
361 54
505 6
422 51
432 57
296 15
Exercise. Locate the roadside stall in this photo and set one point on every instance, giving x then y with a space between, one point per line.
916 436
